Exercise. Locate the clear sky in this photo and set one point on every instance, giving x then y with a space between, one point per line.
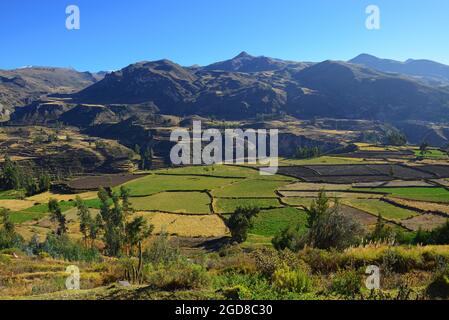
116 33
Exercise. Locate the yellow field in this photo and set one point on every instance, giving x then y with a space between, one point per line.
314 194
46 196
16 205
187 226
426 206
316 186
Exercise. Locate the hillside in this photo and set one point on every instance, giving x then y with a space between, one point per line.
22 86
247 86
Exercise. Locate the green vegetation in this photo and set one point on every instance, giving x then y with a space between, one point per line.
430 153
412 193
376 207
152 184
240 222
307 152
179 202
12 194
270 222
229 205
253 188
320 160
224 171
38 212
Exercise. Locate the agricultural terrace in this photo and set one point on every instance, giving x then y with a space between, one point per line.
194 201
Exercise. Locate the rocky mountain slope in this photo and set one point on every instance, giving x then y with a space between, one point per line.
22 86
329 89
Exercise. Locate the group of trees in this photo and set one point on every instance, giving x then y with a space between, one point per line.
146 157
122 234
396 138
13 177
307 152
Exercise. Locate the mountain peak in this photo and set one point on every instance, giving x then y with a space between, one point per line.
243 54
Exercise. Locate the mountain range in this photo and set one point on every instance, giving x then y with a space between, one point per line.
243 87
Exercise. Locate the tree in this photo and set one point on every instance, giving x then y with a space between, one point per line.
136 231
328 227
424 149
85 219
8 236
56 216
147 159
288 238
240 222
396 138
30 185
120 235
44 182
11 175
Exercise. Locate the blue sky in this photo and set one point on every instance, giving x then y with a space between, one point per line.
115 33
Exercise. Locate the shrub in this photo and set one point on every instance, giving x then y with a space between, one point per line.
347 283
161 252
268 261
61 247
238 292
290 238
240 222
322 261
180 277
328 227
287 280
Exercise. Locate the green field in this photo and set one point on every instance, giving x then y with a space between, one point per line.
377 207
216 171
297 201
178 202
229 205
319 161
37 212
424 194
255 188
152 184
12 194
269 222
431 153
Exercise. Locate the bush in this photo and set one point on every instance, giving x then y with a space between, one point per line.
61 247
290 238
347 283
322 261
161 252
287 280
181 277
268 261
240 222
237 293
328 227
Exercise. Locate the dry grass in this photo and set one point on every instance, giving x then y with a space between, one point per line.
426 206
46 196
330 194
426 222
187 226
316 186
16 205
